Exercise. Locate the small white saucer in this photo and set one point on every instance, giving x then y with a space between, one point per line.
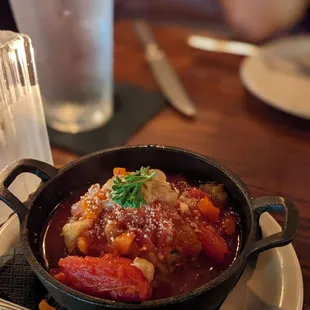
279 74
275 283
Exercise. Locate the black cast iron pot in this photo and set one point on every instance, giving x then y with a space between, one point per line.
58 184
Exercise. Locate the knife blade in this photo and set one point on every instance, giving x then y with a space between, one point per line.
164 74
223 46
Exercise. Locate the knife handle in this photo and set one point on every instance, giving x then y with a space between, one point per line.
153 53
144 32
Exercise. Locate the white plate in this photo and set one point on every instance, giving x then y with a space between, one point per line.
9 234
274 284
273 74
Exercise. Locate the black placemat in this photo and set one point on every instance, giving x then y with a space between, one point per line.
18 282
133 106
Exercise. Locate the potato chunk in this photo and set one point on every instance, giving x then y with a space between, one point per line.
146 268
71 231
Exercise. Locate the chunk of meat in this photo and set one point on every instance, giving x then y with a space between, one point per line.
71 231
217 192
112 230
157 188
187 241
213 244
230 224
191 197
105 277
159 174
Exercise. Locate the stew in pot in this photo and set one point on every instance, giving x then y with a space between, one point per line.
142 235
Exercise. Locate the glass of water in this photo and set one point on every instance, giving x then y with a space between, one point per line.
73 42
23 131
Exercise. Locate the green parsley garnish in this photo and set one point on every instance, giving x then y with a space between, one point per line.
127 192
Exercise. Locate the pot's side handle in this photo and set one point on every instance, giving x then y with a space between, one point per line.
274 204
7 176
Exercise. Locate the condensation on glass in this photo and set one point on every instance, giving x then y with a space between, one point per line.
23 131
73 44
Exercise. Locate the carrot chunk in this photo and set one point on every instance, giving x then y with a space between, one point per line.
91 210
43 305
60 276
101 195
123 242
119 171
207 209
82 245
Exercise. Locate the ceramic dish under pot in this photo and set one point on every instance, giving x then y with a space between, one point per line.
58 184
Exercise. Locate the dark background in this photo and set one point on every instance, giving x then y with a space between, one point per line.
6 17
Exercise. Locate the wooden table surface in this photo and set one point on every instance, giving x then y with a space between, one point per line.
269 150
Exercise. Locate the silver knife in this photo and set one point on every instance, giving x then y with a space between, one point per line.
276 60
163 72
223 46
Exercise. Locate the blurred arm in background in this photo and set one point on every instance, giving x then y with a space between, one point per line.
253 20
259 19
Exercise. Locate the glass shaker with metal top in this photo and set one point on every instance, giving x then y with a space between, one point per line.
23 132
